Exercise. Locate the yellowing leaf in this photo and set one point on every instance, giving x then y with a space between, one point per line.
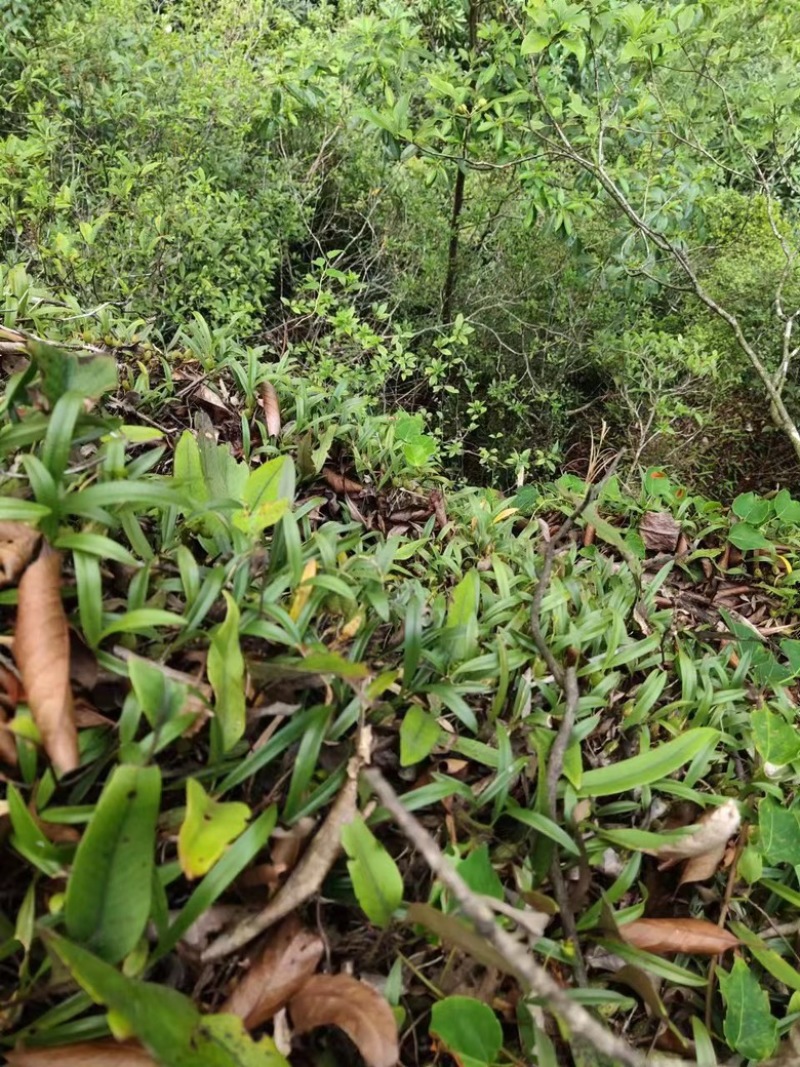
303 590
208 828
504 514
226 674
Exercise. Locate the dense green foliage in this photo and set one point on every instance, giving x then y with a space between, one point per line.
396 173
310 315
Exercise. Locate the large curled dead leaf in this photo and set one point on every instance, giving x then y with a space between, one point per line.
343 1001
83 1054
18 542
281 969
41 649
705 846
664 937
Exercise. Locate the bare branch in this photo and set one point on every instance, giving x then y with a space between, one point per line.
520 962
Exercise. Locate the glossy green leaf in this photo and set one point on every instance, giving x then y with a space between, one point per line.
779 830
167 1023
776 740
468 1029
747 537
419 734
750 1027
108 894
226 674
376 879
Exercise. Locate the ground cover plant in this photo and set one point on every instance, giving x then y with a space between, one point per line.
399 534
219 625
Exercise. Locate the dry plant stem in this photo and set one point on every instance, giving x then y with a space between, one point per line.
538 982
555 766
309 874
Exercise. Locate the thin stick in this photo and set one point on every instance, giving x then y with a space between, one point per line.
518 957
555 765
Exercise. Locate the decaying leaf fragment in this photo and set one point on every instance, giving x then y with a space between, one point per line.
18 542
663 937
281 969
705 846
41 649
659 531
341 484
343 1001
83 1054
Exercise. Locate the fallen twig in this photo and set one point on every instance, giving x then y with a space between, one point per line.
310 872
517 956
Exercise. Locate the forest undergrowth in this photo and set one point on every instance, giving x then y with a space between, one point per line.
399 533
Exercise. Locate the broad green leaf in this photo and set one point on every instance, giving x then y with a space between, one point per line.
786 509
268 494
750 1027
419 450
747 537
274 480
419 733
464 603
648 767
332 663
533 43
477 871
96 545
376 879
779 829
109 890
776 741
188 469
226 675
468 1029
167 1023
209 826
751 508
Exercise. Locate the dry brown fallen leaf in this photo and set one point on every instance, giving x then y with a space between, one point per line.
705 847
8 746
285 849
272 409
41 649
282 968
363 1014
663 937
84 1054
659 531
18 542
310 872
340 483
